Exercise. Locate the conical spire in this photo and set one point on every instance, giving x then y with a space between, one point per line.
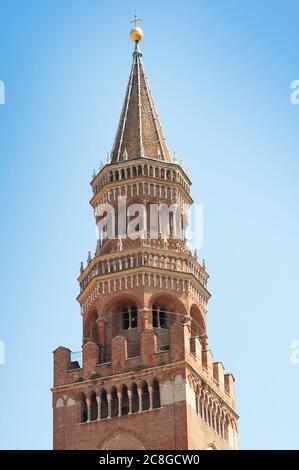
139 132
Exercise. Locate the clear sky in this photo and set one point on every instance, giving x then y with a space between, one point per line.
220 72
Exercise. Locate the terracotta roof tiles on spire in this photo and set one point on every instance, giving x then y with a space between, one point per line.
139 132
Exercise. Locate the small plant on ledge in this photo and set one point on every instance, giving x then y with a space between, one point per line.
95 376
80 379
139 367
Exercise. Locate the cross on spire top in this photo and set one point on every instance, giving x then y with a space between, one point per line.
135 20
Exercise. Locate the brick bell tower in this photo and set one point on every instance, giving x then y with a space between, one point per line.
145 378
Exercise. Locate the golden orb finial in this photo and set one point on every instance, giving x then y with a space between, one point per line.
136 33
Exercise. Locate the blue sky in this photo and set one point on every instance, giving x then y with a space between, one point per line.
220 73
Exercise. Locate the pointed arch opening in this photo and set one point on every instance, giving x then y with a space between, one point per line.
156 394
114 403
93 407
145 396
83 408
124 401
135 398
90 330
226 426
104 404
198 326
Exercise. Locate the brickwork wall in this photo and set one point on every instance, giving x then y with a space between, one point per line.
163 428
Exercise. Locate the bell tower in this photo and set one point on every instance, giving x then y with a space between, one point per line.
145 377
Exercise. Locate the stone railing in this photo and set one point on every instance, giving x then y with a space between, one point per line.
133 169
119 262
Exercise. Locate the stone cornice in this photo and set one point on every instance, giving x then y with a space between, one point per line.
178 277
138 250
117 377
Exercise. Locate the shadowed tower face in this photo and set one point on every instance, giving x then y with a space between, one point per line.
145 377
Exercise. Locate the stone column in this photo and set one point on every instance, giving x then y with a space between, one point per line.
144 317
150 390
140 397
119 397
88 409
109 405
99 407
130 401
206 412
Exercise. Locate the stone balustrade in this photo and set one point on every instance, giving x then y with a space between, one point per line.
118 263
139 168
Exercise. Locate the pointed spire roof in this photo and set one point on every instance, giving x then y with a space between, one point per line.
139 132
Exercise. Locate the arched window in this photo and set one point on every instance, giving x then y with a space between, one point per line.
130 317
198 327
114 402
213 419
93 407
94 332
135 398
104 404
83 409
124 401
156 394
59 403
145 396
159 317
226 429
